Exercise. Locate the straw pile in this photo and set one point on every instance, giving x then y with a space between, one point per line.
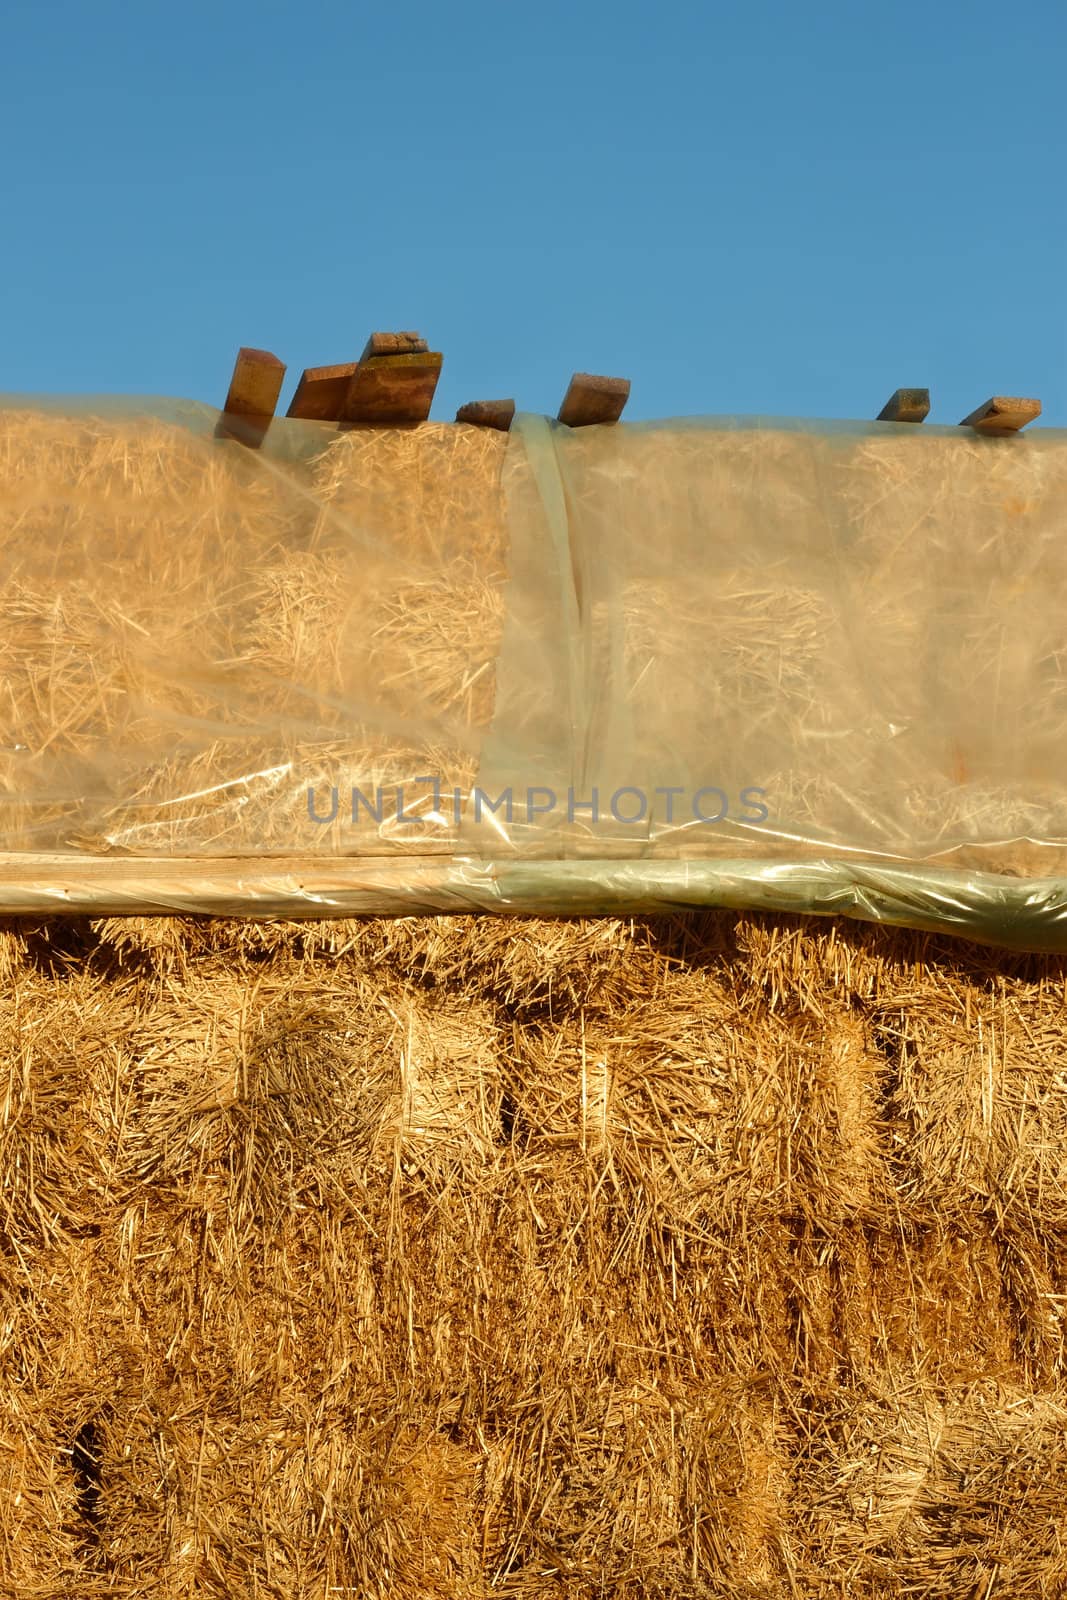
439 1258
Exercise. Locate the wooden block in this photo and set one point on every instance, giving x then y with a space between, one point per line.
394 344
590 399
488 414
255 385
906 405
388 391
253 396
1003 414
320 394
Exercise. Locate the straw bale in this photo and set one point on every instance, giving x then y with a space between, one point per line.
861 624
698 1256
127 548
726 1255
195 636
940 1496
432 494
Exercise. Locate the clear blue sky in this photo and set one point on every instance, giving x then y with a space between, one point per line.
765 206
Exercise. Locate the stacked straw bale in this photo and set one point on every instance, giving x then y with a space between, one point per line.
713 1256
440 1258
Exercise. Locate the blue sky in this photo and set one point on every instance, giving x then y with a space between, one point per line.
758 207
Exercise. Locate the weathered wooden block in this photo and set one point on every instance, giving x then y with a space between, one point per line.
488 414
591 399
252 398
394 344
906 405
1003 414
320 394
392 390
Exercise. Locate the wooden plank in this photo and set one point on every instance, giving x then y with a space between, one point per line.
591 399
252 398
488 414
1003 414
390 391
906 405
394 344
320 394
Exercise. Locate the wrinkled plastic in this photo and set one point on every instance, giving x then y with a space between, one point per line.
804 666
1018 914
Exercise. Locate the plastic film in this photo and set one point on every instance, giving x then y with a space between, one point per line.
728 661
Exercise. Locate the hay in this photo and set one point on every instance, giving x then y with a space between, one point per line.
860 623
699 1256
710 1256
192 637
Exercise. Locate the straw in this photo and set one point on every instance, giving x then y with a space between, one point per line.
709 1255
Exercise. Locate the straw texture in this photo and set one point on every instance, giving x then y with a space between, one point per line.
439 1257
201 644
194 637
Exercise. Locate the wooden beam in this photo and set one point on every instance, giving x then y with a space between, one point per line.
1003 414
590 399
320 394
394 344
906 405
488 414
391 391
252 398
323 392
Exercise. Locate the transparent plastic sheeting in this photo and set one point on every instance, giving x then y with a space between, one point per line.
1010 912
807 666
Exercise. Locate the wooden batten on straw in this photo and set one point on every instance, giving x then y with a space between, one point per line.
394 382
394 344
499 414
252 398
906 405
1003 414
591 399
320 394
